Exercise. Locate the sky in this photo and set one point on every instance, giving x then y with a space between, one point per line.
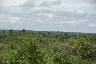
49 15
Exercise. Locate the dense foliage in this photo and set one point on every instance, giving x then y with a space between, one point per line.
30 47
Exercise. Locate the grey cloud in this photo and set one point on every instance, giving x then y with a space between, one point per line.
37 15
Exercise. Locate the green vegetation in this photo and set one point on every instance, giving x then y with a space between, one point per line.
31 47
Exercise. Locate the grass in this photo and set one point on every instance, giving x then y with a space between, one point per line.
34 47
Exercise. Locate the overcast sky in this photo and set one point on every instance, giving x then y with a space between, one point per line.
49 15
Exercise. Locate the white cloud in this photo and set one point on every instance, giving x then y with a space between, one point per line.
40 21
70 22
2 16
92 25
8 3
13 19
50 15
